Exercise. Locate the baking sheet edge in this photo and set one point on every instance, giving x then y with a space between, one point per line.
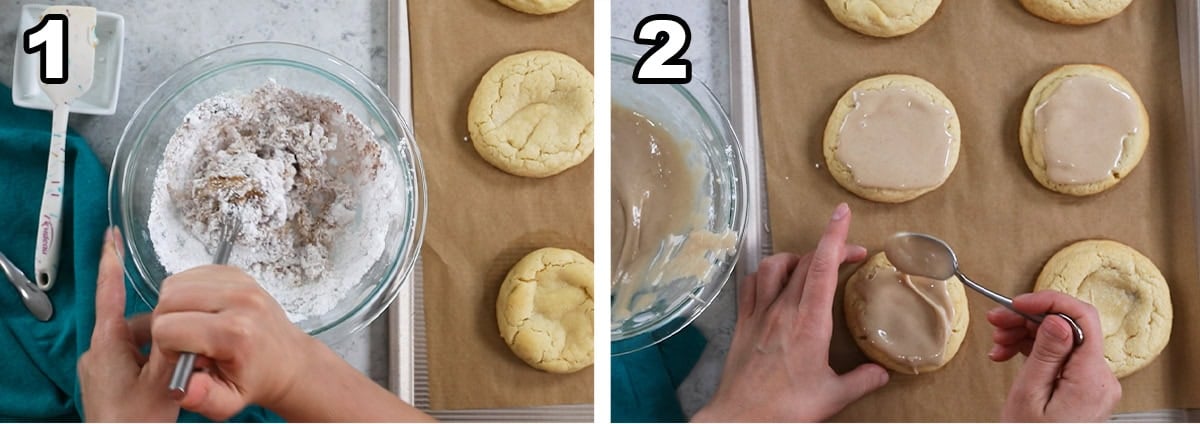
400 313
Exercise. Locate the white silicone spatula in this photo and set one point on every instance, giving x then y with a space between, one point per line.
81 63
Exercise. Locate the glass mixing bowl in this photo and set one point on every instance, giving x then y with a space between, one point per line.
242 68
691 114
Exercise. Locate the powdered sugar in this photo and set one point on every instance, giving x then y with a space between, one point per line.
307 180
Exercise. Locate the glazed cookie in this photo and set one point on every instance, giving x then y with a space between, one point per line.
539 7
1075 12
1127 290
892 139
1083 129
531 115
883 18
545 310
908 324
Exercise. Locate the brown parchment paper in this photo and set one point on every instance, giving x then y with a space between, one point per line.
985 55
482 220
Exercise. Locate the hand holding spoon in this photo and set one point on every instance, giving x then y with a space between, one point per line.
928 256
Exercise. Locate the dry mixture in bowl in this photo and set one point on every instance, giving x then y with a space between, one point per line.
313 190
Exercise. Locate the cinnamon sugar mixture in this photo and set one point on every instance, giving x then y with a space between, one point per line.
293 168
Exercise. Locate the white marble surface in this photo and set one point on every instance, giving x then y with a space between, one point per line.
160 36
709 53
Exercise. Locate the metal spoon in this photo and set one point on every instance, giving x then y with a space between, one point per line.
35 300
928 256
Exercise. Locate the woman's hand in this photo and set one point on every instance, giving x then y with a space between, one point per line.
778 364
248 352
117 382
1059 381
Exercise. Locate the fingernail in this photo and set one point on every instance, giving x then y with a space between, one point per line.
995 351
108 235
881 377
841 211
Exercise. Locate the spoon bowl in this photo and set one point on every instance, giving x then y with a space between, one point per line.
922 255
928 256
35 300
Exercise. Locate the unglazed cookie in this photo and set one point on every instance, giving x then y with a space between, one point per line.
545 310
1083 129
1128 291
883 18
539 7
531 114
892 138
908 324
1075 12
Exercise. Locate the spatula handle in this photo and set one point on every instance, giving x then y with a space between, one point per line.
49 234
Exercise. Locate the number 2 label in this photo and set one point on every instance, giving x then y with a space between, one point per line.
48 40
669 37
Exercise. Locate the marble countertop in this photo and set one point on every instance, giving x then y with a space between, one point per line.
162 36
710 54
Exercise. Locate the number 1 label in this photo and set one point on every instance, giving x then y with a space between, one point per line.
669 37
48 40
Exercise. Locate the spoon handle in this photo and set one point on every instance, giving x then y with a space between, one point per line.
1007 303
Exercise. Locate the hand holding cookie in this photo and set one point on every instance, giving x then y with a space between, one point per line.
1057 382
781 341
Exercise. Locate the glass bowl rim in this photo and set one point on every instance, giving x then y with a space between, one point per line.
402 145
696 93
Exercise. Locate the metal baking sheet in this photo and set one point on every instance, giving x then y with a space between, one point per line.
408 360
745 120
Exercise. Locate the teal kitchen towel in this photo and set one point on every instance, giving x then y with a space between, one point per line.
37 376
644 382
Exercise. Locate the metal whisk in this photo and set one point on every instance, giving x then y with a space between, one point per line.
230 228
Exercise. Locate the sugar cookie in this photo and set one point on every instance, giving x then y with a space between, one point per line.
892 139
531 114
883 18
539 7
545 310
908 324
1128 291
1075 12
1083 129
